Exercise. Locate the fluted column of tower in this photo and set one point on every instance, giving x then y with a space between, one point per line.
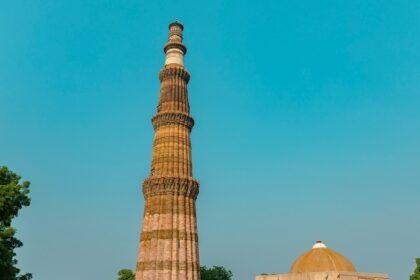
169 241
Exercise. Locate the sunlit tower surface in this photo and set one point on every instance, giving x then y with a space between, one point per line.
169 241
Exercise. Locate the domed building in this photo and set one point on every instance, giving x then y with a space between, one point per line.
322 263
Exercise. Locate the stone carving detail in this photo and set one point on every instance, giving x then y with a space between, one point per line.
172 118
167 265
167 159
168 72
165 206
172 139
175 45
171 186
169 234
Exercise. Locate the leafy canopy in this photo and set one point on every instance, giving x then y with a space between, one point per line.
125 274
416 274
216 273
13 196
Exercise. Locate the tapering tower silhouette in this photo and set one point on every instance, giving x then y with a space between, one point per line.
169 240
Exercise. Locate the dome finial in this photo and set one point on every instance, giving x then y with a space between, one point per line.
318 245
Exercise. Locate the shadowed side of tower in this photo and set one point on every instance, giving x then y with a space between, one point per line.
169 240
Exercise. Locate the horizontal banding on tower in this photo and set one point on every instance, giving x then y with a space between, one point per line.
166 208
172 118
171 185
169 234
168 246
175 45
168 265
174 72
169 139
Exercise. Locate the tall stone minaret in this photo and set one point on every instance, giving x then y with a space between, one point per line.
169 241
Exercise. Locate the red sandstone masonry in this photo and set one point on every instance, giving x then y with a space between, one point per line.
169 242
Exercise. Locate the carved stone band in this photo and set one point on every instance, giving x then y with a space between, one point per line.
168 139
169 234
170 186
170 208
175 45
172 118
168 72
167 265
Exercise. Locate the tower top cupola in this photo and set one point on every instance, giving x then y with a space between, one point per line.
174 48
177 23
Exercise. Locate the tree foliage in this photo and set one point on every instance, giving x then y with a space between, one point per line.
125 274
216 273
416 274
13 196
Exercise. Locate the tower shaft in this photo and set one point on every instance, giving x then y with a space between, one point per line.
169 240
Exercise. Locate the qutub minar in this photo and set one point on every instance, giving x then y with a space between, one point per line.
169 241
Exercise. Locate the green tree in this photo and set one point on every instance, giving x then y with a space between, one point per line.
125 274
13 196
216 273
416 274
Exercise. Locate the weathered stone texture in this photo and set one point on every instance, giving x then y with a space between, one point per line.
169 239
327 275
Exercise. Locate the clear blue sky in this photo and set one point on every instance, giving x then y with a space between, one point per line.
307 127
